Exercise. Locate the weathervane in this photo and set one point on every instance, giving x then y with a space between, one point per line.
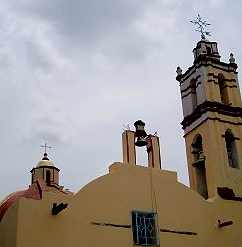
201 24
45 146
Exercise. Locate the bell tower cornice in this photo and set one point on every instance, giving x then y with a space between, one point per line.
211 111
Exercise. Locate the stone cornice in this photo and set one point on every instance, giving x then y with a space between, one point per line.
207 61
209 106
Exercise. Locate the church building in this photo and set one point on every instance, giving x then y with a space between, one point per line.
133 205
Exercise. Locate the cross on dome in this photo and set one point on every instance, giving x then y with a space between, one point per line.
45 146
45 153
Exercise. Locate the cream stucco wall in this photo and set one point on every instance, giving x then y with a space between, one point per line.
110 199
8 227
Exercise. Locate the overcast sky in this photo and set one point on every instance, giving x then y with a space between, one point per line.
72 73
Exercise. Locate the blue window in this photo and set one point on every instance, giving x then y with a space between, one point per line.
144 228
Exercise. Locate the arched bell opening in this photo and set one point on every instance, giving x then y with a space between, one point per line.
193 94
209 50
150 148
223 89
140 141
199 166
231 148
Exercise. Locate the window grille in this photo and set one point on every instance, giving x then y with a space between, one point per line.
144 228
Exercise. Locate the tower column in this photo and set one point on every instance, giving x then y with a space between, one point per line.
129 153
153 149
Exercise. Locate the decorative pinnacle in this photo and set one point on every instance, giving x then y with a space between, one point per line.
179 71
231 59
201 24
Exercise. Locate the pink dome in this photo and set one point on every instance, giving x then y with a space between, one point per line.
33 192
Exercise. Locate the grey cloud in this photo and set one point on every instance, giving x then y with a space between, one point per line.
73 72
83 20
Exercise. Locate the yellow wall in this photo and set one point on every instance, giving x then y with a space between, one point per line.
218 171
212 89
110 199
8 227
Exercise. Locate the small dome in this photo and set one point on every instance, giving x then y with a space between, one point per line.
45 163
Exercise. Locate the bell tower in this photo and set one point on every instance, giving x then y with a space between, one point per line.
212 122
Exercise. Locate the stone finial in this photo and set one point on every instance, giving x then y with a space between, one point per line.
45 157
179 73
232 59
232 63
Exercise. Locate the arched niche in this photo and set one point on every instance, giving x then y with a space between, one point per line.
231 149
193 94
199 166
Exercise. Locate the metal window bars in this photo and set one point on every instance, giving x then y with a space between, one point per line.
145 228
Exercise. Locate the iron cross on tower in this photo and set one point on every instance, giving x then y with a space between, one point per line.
201 24
45 146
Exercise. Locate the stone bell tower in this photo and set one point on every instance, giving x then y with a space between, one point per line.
212 123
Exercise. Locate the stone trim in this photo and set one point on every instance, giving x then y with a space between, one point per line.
213 63
209 106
